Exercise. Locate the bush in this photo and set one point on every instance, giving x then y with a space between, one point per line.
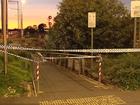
123 70
19 71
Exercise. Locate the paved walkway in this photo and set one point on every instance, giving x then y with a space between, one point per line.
62 87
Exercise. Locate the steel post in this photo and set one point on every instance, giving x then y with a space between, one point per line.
91 46
37 76
135 32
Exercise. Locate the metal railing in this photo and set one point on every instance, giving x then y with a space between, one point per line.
80 64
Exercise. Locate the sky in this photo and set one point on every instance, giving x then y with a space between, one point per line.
126 2
36 12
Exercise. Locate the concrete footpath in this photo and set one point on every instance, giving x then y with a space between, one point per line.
61 87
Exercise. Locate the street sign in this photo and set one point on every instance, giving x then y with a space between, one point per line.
135 8
50 24
49 17
91 19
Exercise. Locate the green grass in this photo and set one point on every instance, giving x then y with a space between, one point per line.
19 71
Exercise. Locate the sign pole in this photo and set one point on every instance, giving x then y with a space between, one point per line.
135 32
135 13
91 46
91 24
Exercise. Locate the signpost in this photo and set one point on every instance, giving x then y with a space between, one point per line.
91 24
135 13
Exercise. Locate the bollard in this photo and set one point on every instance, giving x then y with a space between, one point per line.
100 68
37 71
37 76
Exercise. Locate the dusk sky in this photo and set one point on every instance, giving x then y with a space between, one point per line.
37 11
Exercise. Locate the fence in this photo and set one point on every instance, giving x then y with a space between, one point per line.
78 63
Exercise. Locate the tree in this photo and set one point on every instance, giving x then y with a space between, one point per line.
42 29
30 31
114 25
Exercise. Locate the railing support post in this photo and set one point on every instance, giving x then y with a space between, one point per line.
37 76
100 68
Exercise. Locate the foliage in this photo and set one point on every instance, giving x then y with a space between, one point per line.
114 25
30 31
19 71
42 29
34 31
123 70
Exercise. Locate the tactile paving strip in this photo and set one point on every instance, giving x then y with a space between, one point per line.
99 100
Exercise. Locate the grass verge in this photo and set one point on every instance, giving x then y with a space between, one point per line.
19 73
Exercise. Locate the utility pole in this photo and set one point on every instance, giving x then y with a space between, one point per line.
4 11
18 12
21 15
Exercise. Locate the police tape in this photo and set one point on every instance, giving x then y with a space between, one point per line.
98 51
64 54
27 59
84 57
50 58
21 48
123 50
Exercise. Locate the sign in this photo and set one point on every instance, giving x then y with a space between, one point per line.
50 24
49 17
135 8
91 19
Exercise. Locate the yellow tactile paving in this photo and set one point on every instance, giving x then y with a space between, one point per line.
99 100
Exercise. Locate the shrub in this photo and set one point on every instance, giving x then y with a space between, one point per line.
123 70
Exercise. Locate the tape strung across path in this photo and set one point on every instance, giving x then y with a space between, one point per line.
99 51
124 50
84 57
27 59
50 58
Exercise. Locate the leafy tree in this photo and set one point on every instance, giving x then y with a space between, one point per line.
114 25
30 31
42 29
